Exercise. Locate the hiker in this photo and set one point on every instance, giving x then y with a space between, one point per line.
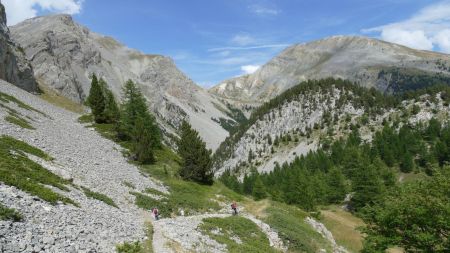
155 213
234 207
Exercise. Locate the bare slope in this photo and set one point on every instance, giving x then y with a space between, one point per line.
64 54
84 158
370 62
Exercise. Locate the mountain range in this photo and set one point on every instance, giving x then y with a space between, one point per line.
369 62
314 136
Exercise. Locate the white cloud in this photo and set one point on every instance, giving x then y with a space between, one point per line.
263 10
243 39
250 69
19 10
443 40
428 29
414 39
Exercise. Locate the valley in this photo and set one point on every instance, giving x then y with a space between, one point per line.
337 145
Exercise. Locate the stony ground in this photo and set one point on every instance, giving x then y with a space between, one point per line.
91 161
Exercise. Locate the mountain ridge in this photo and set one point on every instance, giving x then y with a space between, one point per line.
355 58
64 55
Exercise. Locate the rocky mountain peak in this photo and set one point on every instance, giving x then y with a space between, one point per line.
356 58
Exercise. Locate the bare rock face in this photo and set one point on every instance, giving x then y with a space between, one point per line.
14 67
363 60
65 54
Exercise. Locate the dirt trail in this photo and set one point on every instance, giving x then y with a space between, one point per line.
182 231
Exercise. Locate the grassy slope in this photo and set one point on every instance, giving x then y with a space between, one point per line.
344 227
247 236
54 98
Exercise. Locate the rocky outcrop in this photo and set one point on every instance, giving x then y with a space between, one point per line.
14 66
65 54
366 61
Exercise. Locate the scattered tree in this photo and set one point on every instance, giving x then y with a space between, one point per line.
197 163
96 100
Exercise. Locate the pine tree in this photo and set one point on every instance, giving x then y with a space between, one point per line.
259 191
197 162
143 141
111 111
368 187
336 185
133 107
137 125
407 164
96 100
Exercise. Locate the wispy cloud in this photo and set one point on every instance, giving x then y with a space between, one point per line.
18 11
262 10
428 29
247 48
243 39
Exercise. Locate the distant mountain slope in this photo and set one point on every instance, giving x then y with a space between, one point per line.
315 113
14 67
64 54
369 62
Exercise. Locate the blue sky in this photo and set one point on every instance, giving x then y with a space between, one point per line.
212 40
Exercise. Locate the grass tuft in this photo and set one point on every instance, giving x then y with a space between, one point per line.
99 196
9 214
86 118
129 185
17 120
127 247
8 98
17 170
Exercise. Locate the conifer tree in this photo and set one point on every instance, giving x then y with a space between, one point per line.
111 111
143 141
407 164
133 107
259 191
96 100
368 187
197 162
137 125
336 185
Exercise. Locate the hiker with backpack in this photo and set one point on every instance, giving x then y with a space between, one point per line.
234 208
155 213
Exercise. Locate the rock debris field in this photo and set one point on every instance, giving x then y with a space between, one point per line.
91 161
